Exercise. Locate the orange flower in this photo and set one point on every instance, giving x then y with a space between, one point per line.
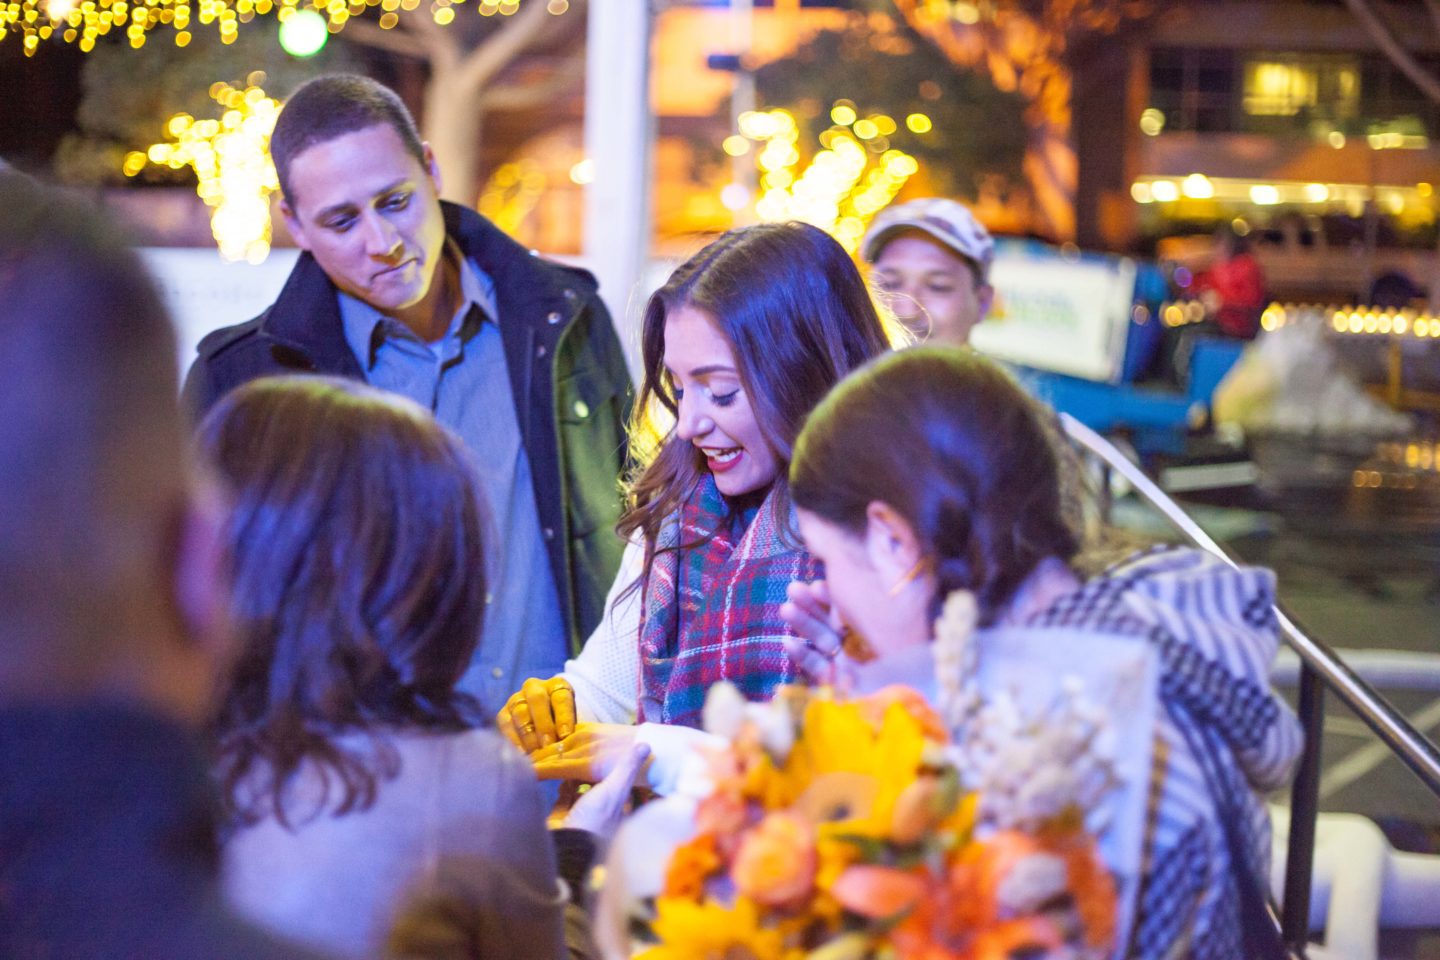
722 813
1093 889
917 810
690 866
976 876
1032 935
873 708
775 865
879 893
921 935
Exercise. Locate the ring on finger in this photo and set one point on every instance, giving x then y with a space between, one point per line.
827 654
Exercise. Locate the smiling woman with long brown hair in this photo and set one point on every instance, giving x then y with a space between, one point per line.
738 346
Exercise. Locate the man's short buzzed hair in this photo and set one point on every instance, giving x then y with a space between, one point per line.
331 106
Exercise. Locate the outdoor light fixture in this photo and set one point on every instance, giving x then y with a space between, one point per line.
303 34
1197 187
1165 191
1263 194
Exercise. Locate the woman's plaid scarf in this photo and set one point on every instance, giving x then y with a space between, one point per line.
712 612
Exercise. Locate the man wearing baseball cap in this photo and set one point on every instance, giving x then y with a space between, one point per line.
931 258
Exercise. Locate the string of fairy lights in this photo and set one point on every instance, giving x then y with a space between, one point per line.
1346 320
83 22
231 159
854 175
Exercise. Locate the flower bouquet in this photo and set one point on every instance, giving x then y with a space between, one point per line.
841 829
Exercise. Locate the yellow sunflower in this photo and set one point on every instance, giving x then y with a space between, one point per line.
837 738
709 931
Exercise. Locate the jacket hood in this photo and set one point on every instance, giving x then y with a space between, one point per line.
1215 629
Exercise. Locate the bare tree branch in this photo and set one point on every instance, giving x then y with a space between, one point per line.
403 42
518 96
1434 7
443 43
524 28
1386 40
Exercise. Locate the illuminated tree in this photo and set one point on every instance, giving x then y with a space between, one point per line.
1022 45
505 55
128 96
513 57
972 133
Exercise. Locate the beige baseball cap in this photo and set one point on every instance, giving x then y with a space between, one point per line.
949 222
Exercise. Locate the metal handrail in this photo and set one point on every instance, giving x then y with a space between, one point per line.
1321 669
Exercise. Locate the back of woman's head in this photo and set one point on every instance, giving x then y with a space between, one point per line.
359 582
950 442
795 311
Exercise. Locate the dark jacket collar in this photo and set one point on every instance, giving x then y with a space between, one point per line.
305 317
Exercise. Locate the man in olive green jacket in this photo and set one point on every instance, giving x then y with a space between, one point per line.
516 354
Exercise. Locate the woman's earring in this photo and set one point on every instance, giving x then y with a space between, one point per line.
909 578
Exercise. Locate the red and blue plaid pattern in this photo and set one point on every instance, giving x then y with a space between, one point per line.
711 608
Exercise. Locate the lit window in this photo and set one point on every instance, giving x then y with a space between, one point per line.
1278 89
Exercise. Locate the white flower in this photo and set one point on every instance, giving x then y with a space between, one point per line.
724 712
776 726
959 616
955 658
1047 793
1030 764
1031 882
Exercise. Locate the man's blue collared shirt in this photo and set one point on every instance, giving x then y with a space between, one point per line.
464 379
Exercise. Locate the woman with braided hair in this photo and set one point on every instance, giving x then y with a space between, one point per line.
928 475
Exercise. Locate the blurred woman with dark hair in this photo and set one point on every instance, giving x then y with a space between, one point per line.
355 775
928 474
738 347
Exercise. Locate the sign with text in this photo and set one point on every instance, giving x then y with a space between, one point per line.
1064 314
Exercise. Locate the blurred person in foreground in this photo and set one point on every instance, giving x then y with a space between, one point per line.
360 783
111 624
931 259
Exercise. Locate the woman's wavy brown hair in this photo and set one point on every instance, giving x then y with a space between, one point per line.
953 444
789 301
359 584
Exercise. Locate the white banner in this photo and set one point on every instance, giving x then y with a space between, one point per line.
205 292
1063 314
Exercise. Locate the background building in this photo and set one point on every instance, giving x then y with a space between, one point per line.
1281 117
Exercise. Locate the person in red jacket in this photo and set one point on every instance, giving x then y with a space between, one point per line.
1233 289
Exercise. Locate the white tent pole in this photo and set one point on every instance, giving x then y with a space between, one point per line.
619 128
